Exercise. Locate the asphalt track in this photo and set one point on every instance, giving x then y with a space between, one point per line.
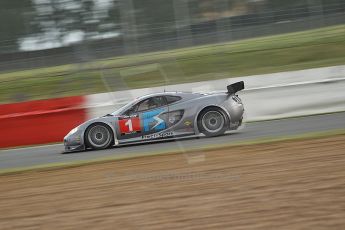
50 154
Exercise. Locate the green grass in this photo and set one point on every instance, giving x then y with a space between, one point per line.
294 51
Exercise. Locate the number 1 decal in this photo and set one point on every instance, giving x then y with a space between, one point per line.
129 125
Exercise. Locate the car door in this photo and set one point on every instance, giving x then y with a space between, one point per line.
176 113
143 121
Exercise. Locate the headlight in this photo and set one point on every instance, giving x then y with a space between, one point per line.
73 131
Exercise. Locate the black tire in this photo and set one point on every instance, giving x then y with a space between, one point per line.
212 122
98 136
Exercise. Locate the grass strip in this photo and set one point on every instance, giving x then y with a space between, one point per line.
287 52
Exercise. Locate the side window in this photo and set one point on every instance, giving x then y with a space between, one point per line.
172 99
131 110
151 103
144 105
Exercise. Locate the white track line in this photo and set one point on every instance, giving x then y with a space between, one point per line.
297 84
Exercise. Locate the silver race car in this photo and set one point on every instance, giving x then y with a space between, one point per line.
161 116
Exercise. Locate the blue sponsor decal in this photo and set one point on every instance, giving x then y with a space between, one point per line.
152 121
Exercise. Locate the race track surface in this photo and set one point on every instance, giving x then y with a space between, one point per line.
33 156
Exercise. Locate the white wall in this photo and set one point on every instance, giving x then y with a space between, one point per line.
267 96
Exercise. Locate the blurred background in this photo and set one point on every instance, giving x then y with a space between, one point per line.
57 48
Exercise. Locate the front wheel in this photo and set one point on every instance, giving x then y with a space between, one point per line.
212 122
98 136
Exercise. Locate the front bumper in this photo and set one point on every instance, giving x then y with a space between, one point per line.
69 149
74 142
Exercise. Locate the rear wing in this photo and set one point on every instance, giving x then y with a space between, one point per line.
234 88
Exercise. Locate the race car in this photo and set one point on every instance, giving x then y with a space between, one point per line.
161 116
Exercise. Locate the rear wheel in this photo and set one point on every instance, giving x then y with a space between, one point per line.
98 136
212 122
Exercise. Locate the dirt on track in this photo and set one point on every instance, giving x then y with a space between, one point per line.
290 185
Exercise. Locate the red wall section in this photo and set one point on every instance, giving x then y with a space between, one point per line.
40 122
